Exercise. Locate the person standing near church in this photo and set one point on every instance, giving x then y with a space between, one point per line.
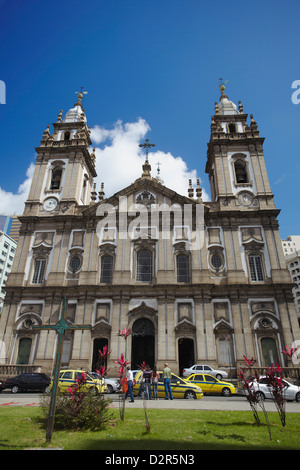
167 373
129 377
154 379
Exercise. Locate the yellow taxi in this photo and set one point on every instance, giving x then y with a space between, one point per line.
68 378
210 384
181 388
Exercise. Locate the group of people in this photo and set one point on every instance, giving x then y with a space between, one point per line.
150 379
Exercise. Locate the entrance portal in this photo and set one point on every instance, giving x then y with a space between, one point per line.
142 343
186 353
99 343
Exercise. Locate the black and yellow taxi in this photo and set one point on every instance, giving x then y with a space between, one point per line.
181 388
211 385
69 378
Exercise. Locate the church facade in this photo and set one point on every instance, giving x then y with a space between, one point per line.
195 282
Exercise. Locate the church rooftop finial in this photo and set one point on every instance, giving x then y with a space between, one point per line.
146 167
221 87
80 96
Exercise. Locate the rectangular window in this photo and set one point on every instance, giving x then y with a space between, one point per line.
106 269
183 271
256 270
39 271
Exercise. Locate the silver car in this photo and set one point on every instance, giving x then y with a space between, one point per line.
291 392
198 368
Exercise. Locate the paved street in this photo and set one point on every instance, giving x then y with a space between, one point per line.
234 403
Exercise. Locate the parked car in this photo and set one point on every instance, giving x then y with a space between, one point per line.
30 381
180 387
113 385
198 368
211 385
291 392
68 378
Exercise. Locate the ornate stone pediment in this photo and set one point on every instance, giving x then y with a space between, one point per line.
142 310
185 327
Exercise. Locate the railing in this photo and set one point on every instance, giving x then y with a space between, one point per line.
10 370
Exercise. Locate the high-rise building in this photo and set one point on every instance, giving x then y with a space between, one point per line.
7 252
15 228
291 251
196 282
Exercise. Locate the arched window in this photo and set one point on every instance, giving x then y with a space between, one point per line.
106 269
24 351
183 269
231 128
256 267
39 270
144 266
241 172
56 178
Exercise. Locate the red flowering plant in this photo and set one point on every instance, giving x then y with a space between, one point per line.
121 361
289 351
76 389
103 355
276 384
125 333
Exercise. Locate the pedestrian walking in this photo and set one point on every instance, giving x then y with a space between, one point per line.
167 373
129 377
147 382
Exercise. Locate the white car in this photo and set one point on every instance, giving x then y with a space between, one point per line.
291 392
198 368
113 385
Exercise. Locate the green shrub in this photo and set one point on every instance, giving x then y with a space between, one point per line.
78 409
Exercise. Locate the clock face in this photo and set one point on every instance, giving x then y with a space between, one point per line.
50 204
245 198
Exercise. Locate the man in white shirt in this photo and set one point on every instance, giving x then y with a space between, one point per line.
129 377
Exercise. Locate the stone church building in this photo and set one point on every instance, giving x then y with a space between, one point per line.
196 282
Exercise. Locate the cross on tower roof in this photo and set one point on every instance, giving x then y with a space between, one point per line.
147 146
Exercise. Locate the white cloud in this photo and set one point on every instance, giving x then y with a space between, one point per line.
13 204
119 161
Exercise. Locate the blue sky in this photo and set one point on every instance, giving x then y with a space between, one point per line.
151 69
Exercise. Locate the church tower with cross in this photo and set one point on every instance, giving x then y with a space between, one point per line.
65 168
196 282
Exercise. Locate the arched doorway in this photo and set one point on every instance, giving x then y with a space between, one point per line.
185 353
142 343
99 343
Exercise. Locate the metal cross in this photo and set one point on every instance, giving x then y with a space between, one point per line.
146 146
60 329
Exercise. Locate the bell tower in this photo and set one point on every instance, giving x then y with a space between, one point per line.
65 169
235 159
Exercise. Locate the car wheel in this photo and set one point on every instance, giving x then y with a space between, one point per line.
190 395
297 398
109 389
94 391
15 389
47 389
260 396
219 377
226 392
